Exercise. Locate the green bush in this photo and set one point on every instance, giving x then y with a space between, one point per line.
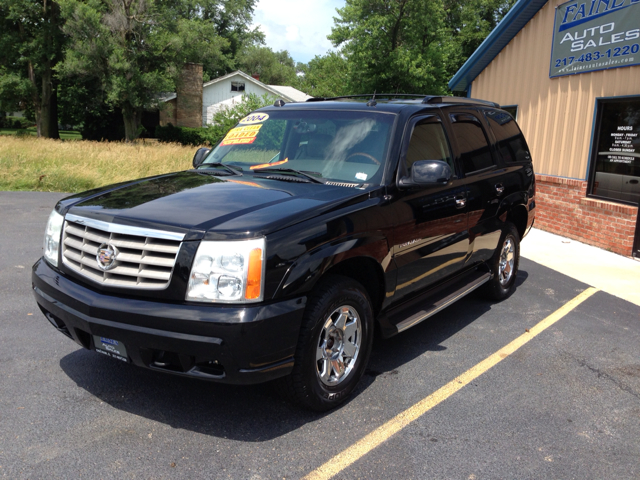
15 122
228 117
23 133
24 123
183 135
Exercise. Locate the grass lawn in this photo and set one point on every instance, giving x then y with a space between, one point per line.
40 164
64 134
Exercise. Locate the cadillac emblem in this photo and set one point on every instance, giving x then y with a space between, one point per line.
106 256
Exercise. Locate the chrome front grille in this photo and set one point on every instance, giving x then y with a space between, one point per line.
144 259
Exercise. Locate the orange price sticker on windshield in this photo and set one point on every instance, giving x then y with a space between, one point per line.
241 135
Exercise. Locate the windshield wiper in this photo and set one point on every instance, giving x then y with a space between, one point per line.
231 170
291 170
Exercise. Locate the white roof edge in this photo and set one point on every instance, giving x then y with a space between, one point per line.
249 78
291 92
167 97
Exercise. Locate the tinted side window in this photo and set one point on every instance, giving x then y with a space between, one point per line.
428 142
509 139
475 153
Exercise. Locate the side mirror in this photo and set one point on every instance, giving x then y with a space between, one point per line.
428 172
199 157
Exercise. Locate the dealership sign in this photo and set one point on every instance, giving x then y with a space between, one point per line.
593 35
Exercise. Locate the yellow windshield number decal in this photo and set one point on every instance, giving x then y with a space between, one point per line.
241 135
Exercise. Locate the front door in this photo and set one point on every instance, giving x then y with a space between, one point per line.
430 237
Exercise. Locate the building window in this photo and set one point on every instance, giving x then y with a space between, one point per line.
237 86
615 158
512 109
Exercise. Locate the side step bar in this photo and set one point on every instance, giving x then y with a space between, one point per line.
442 300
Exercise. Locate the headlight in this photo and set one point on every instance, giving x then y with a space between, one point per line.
52 238
228 272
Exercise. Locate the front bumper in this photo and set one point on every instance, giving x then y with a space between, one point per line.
230 344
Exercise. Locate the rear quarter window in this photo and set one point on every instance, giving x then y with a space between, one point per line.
510 142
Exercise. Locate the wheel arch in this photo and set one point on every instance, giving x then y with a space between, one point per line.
368 273
360 259
518 215
513 209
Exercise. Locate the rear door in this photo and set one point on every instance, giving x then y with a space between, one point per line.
485 179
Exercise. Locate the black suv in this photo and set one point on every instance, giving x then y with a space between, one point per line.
307 228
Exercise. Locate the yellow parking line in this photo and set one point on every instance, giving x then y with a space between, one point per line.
400 421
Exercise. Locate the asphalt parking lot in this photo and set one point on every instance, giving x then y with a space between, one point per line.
565 404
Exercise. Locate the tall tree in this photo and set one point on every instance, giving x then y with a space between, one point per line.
232 20
407 46
31 42
325 76
135 49
274 68
81 103
469 22
393 46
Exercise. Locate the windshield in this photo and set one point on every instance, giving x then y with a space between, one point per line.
335 145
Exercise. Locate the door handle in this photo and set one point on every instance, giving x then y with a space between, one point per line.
461 202
499 188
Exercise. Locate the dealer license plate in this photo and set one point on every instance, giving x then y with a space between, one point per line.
111 348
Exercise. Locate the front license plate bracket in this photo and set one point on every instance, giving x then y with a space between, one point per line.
110 347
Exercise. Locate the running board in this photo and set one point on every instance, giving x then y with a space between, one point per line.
439 303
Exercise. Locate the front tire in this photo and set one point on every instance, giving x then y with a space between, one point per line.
504 264
334 345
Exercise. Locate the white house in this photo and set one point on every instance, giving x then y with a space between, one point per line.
228 91
224 91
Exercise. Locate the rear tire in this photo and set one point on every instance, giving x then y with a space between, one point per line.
504 264
334 345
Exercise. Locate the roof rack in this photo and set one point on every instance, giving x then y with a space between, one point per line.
462 100
377 95
428 99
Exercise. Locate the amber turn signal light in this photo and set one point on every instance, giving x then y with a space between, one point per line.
254 275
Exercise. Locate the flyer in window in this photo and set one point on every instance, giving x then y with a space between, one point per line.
241 135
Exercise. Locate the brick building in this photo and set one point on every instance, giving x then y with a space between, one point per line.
570 73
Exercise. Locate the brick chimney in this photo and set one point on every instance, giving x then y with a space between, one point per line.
256 76
189 92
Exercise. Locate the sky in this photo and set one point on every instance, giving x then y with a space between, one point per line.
298 26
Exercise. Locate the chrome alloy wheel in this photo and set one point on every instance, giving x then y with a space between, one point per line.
338 345
507 260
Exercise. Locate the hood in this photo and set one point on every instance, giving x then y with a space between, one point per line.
234 206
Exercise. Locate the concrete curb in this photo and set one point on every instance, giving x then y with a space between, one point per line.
612 273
